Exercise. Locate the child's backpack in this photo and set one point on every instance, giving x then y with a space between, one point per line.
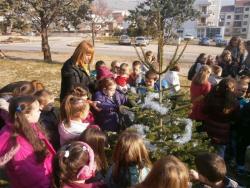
191 71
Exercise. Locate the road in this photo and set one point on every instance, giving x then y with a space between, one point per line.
64 45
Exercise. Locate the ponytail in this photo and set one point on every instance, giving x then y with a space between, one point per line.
73 105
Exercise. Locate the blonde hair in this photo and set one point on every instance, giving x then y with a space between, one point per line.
129 149
201 77
168 172
80 52
73 106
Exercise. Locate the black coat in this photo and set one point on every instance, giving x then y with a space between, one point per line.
72 76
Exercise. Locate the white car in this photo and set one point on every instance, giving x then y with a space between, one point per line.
125 39
141 41
188 37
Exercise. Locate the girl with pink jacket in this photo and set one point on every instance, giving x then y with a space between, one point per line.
24 148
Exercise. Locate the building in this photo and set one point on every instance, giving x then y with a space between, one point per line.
227 19
207 25
241 25
236 19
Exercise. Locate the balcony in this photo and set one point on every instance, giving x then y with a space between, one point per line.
205 14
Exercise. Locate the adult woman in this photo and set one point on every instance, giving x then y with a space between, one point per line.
75 71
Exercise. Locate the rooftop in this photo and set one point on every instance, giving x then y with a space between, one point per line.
229 8
242 2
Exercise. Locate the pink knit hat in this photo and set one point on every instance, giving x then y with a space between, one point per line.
103 72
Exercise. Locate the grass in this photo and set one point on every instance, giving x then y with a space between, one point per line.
49 74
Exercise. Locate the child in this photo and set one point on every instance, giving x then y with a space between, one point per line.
215 77
242 88
229 68
221 108
109 99
247 60
24 148
130 161
199 62
74 111
173 80
97 140
103 72
149 85
212 171
135 78
98 64
123 78
167 172
237 49
73 165
115 68
49 117
83 94
200 87
150 58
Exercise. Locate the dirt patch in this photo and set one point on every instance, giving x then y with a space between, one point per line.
15 40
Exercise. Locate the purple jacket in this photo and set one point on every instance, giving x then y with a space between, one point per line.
21 166
108 117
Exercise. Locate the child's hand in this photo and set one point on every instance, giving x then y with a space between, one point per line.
94 105
194 175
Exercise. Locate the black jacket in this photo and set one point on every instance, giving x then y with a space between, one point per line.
72 76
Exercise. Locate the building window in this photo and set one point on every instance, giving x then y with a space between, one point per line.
227 30
246 16
203 21
247 9
238 17
228 23
204 9
244 30
245 23
237 24
239 10
229 17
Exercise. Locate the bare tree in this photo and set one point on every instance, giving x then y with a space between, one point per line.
100 13
42 13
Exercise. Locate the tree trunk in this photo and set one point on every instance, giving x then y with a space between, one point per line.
45 44
93 33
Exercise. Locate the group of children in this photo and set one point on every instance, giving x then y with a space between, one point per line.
220 100
31 160
42 147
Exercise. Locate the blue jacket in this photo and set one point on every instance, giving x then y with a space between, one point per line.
108 117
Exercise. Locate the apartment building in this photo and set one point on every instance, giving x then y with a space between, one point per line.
207 25
241 25
227 19
236 19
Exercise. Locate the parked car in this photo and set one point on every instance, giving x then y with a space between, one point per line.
221 42
188 37
217 37
125 39
204 41
141 41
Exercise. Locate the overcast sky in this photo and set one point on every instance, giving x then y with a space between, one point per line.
130 4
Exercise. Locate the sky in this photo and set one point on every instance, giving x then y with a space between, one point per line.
130 4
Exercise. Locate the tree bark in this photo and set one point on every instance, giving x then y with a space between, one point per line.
93 32
45 44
